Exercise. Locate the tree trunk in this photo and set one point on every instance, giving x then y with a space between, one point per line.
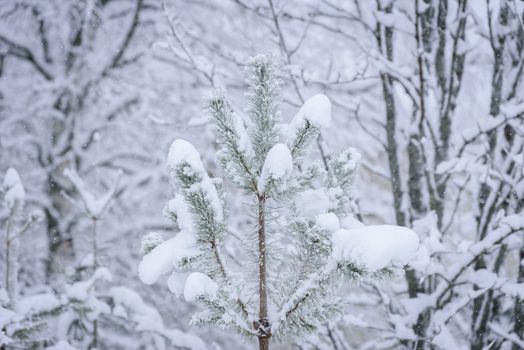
263 343
518 327
263 326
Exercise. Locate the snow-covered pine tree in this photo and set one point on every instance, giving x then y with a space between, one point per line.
302 242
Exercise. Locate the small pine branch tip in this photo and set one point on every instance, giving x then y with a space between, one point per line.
302 241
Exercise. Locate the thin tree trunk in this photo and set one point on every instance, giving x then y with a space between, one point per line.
8 254
95 249
264 328
94 343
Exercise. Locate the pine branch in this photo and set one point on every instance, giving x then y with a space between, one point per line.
262 106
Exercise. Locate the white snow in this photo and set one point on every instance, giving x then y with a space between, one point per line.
37 303
313 202
14 190
166 256
199 284
130 304
179 207
375 247
328 221
87 261
182 151
350 222
244 144
135 306
82 290
277 166
95 207
176 282
316 110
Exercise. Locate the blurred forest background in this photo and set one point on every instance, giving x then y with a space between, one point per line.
92 92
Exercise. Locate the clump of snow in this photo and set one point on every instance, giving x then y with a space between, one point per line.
150 242
181 152
328 221
482 278
430 244
313 202
277 166
166 256
81 291
37 303
176 282
134 305
14 190
244 145
316 110
95 207
129 304
375 247
199 285
180 209
349 223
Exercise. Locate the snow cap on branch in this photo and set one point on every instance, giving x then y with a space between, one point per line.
328 221
179 208
199 285
93 206
166 256
316 110
375 247
14 190
184 157
277 166
182 151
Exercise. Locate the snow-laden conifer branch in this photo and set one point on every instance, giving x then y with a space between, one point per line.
205 218
305 126
236 153
262 97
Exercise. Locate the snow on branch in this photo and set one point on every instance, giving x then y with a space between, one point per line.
375 247
277 167
14 190
305 126
91 205
129 305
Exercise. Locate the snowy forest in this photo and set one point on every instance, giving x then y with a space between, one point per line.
262 174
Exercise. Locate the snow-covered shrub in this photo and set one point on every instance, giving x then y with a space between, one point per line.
301 241
93 301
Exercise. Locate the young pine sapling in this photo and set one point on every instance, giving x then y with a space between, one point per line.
302 241
14 200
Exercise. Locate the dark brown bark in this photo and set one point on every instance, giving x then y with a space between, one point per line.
263 343
263 326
